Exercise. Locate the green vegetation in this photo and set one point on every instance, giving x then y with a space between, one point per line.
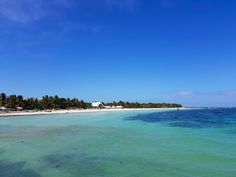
13 102
144 105
16 102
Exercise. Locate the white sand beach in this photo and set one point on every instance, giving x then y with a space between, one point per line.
24 113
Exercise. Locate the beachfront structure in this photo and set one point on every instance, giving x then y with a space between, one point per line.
97 104
113 107
19 108
3 109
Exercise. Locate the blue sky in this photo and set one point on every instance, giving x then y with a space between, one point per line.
180 51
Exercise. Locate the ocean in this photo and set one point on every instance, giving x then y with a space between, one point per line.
185 143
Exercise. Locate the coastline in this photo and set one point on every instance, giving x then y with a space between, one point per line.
24 113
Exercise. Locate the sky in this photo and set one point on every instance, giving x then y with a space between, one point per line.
181 51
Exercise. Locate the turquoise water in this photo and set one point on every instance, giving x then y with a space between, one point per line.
193 143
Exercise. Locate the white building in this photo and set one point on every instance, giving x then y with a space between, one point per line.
3 109
97 104
115 107
19 108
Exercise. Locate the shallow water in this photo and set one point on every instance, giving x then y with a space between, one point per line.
191 143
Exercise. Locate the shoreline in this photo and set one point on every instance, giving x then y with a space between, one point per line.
51 112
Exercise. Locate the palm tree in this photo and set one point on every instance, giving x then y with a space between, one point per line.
3 97
11 102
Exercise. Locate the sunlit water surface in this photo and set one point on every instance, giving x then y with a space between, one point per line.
188 143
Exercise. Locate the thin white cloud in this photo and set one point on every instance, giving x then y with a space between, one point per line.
20 11
183 93
24 11
230 93
217 99
69 27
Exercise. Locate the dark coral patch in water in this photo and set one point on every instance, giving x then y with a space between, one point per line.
2 151
233 131
202 118
9 169
75 164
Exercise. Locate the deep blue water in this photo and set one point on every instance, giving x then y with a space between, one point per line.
196 118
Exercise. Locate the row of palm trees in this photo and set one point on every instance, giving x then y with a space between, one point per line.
14 102
144 105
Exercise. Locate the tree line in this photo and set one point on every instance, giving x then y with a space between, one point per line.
16 102
144 105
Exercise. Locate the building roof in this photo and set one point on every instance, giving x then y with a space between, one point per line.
96 104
